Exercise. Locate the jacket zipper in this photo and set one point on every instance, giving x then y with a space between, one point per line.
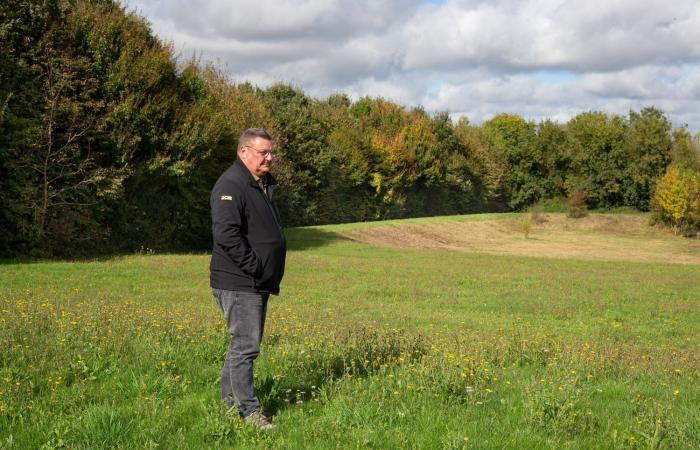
268 201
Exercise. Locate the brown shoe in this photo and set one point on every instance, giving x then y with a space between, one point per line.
259 420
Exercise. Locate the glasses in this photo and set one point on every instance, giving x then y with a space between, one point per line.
263 153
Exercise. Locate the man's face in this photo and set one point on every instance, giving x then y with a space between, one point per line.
257 156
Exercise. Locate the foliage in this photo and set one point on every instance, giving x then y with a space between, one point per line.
107 147
576 204
59 170
556 157
110 143
303 157
598 158
648 143
527 225
685 150
537 214
676 200
488 169
514 141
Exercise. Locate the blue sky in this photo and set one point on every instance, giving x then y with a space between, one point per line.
474 58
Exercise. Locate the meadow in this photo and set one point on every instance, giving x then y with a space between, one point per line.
585 335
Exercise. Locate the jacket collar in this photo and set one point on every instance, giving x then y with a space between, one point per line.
242 169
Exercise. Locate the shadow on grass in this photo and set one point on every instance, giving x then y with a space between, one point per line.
26 260
301 238
87 259
359 354
277 394
306 238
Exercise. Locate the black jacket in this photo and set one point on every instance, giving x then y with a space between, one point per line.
249 244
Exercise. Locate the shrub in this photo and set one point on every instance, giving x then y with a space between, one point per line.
537 215
527 225
676 200
576 206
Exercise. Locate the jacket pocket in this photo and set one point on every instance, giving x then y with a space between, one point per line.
265 271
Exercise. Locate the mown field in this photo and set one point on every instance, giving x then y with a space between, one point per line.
493 341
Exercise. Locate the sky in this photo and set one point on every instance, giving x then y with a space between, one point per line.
475 58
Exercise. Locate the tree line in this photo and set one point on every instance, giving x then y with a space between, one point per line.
109 142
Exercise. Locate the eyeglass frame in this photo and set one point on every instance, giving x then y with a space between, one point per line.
263 153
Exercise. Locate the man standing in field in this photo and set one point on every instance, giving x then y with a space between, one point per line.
247 264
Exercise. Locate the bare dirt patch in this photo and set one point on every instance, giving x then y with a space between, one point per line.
600 237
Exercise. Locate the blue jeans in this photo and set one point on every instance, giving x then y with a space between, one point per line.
244 313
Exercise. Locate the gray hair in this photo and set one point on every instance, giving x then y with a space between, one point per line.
251 134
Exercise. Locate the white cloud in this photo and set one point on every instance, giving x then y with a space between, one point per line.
274 20
536 58
582 36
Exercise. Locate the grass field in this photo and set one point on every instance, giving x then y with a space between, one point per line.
429 333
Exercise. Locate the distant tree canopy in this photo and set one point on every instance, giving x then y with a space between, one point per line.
108 143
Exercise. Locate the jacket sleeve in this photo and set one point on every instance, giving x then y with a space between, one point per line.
227 214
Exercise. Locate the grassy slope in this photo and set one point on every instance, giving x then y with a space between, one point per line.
366 347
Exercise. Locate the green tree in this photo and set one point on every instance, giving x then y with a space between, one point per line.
55 160
685 150
488 167
22 27
598 158
515 141
556 158
648 151
106 144
349 196
68 176
158 127
303 153
463 189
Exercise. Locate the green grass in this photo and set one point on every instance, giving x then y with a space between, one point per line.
366 347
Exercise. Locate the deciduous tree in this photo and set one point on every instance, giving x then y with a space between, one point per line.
648 152
598 158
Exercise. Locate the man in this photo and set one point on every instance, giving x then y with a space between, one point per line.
247 264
